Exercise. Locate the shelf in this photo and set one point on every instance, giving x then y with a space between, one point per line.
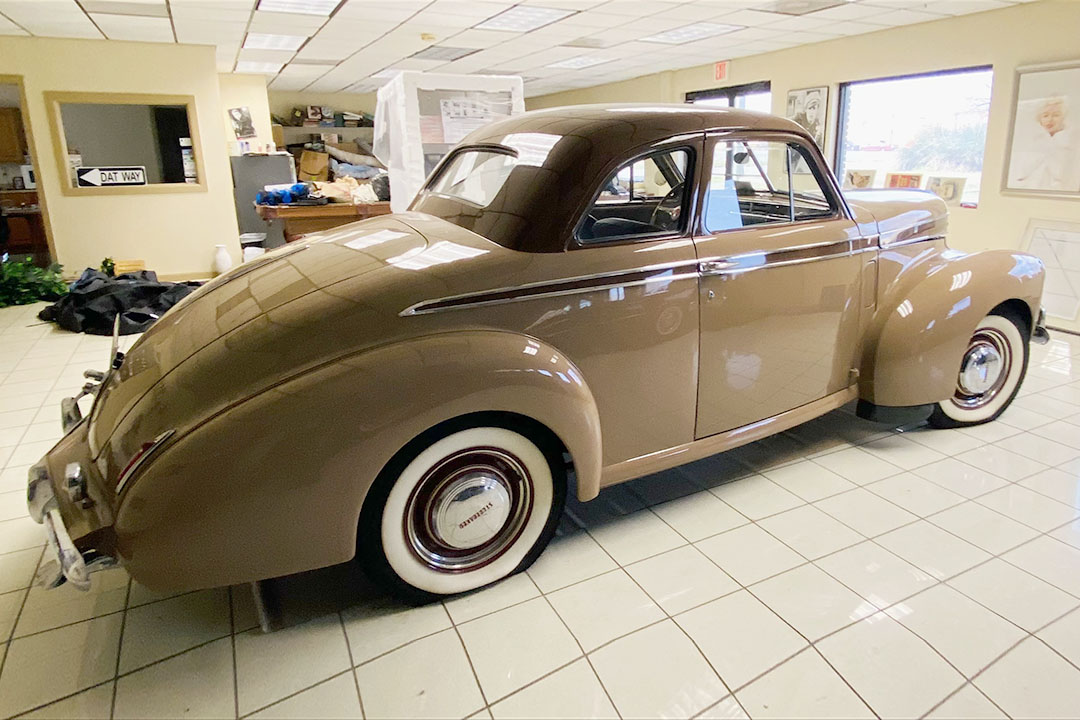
292 131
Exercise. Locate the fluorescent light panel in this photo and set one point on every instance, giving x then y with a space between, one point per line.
300 7
259 68
523 18
443 52
581 61
798 7
270 41
689 33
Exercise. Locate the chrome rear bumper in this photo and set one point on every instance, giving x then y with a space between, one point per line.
63 561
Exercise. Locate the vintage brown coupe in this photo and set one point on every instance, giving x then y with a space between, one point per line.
592 293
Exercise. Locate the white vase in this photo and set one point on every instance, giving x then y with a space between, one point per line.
222 260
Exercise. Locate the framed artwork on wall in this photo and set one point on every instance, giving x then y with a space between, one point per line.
903 180
859 179
949 189
807 107
1043 153
1057 244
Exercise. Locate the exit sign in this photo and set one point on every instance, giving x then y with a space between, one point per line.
720 70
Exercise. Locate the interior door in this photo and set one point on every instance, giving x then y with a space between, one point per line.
780 266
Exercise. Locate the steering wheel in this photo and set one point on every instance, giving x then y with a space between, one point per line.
666 214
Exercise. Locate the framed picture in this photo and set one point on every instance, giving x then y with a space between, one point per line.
949 189
1043 153
242 126
807 107
903 180
859 179
1057 244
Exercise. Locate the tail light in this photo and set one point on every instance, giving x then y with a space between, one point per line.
141 455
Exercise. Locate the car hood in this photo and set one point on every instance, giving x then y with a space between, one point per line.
300 306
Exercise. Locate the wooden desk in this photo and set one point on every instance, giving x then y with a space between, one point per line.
302 219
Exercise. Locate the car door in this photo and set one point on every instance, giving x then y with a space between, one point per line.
780 265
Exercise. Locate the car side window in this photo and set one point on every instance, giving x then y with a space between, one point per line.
762 182
646 196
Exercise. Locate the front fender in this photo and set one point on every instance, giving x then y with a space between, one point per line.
929 305
275 484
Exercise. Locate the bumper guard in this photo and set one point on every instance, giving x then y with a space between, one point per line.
1040 336
63 562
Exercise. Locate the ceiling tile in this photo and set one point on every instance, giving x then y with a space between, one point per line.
285 23
482 38
9 28
280 56
903 17
749 18
148 8
849 11
56 18
133 27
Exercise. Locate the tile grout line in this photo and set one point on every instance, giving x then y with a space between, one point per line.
352 666
232 642
119 650
581 647
15 623
468 657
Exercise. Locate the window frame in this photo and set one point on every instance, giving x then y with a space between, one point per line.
690 177
815 161
730 92
842 105
446 161
53 102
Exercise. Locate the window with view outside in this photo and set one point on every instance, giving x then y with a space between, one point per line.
755 96
930 128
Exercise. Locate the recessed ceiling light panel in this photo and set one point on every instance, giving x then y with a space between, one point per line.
798 7
300 7
581 61
259 68
689 33
270 41
523 18
442 52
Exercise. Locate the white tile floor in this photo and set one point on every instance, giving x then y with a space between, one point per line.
841 570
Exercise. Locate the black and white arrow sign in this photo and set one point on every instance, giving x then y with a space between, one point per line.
111 176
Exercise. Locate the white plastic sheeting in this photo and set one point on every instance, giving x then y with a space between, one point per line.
419 117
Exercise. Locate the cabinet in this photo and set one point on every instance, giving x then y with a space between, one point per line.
12 138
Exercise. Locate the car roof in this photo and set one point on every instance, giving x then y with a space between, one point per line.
650 122
572 151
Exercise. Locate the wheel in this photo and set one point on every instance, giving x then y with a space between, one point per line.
461 509
990 374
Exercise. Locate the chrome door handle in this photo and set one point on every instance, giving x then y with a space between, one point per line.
715 267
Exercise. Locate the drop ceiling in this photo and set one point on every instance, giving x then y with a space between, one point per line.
356 45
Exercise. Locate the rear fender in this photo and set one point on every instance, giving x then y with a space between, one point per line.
275 484
929 305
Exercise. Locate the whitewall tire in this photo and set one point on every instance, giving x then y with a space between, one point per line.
462 511
991 370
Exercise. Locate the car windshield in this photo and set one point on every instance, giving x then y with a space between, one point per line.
475 176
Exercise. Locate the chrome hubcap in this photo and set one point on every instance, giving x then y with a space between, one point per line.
468 509
471 510
981 369
984 369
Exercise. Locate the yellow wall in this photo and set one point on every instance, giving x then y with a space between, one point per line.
241 90
282 103
175 233
1026 34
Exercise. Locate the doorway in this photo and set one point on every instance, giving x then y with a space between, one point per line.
24 226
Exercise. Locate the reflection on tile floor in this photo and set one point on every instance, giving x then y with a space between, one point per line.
844 569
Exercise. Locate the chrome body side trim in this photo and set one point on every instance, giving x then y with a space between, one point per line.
666 272
143 456
889 244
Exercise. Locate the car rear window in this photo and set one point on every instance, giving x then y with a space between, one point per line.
475 176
